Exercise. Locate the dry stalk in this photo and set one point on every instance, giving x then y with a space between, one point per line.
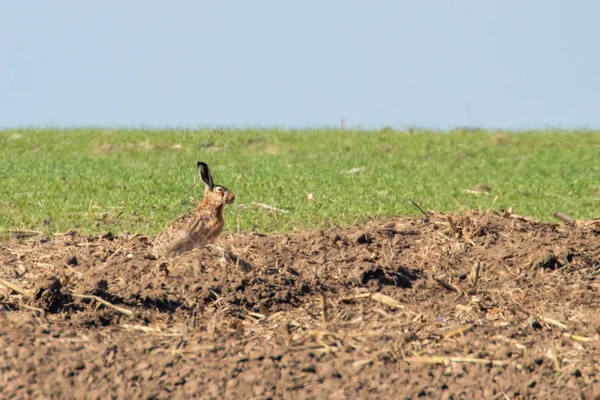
239 207
194 349
475 192
16 288
112 255
324 306
263 309
460 331
382 298
42 312
325 339
463 308
87 244
453 226
447 360
149 329
564 218
491 205
100 300
320 347
523 218
24 234
551 354
577 338
258 316
271 208
474 275
447 285
426 219
320 335
360 364
382 313
512 342
555 323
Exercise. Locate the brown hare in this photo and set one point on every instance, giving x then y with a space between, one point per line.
198 227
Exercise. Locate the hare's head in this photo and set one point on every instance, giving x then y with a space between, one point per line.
214 194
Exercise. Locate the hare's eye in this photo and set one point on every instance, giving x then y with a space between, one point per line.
218 189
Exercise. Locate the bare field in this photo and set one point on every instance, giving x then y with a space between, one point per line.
470 306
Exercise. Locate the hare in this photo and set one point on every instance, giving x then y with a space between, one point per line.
198 227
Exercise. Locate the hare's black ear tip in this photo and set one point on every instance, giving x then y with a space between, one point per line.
200 164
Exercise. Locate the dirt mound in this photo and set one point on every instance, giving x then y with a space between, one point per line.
472 306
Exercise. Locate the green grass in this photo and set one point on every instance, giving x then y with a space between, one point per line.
93 180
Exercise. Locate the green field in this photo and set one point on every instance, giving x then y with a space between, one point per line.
94 180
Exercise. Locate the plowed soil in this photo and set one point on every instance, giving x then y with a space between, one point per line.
471 306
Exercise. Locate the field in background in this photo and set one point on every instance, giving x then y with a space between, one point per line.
94 180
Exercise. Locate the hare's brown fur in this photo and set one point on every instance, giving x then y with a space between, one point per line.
198 227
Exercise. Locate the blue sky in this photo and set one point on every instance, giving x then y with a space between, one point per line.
439 64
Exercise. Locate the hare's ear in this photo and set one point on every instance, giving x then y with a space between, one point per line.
205 175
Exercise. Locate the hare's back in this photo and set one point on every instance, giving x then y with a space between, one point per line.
176 232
